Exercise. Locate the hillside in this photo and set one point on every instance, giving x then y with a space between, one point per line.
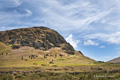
41 38
4 48
39 46
116 60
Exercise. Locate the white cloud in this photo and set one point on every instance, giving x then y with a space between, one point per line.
9 3
105 58
87 18
113 38
29 13
75 16
102 46
108 58
79 14
90 42
72 41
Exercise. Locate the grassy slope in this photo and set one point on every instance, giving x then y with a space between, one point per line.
77 63
116 60
4 48
14 59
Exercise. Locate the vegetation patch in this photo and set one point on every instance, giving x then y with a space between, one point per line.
44 64
4 48
54 65
98 62
62 76
63 59
6 77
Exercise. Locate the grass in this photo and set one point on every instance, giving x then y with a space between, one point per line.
44 65
63 59
62 65
4 48
14 60
6 77
62 76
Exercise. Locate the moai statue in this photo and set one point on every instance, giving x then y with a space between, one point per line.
61 55
51 62
34 63
55 55
32 57
51 54
22 57
45 56
68 55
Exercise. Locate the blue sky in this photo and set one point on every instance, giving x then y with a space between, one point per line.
91 26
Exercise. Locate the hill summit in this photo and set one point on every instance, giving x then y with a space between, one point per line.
41 38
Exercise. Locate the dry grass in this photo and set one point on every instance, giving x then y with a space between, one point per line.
14 59
77 62
4 48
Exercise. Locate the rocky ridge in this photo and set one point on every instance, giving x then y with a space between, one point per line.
41 38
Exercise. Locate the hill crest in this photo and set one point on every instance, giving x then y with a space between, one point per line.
41 38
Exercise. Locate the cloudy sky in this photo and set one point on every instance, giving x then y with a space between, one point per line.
91 26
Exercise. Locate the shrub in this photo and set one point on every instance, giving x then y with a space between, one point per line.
65 76
19 77
98 62
6 77
54 65
34 77
44 65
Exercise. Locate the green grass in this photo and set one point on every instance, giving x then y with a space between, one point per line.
6 77
62 76
4 48
63 59
73 63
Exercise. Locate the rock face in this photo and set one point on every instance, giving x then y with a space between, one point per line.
38 37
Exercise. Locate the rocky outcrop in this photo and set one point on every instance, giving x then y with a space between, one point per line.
38 37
